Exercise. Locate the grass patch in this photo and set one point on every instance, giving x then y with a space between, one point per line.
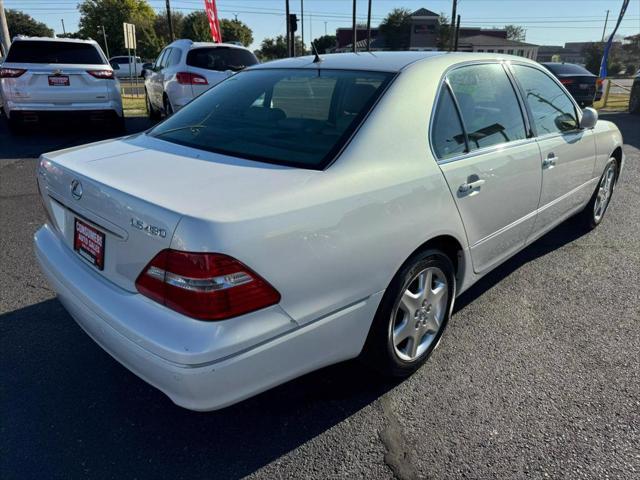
134 106
618 102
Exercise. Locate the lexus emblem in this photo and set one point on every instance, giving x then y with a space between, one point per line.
76 189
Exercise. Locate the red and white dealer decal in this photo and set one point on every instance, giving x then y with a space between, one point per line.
89 243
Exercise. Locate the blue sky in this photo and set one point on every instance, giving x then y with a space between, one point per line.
547 22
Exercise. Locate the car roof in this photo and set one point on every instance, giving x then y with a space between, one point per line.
385 61
52 39
184 42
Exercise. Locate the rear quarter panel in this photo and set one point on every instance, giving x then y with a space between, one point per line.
341 236
608 138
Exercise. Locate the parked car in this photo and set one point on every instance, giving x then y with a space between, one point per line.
634 96
580 82
45 76
185 69
127 66
302 213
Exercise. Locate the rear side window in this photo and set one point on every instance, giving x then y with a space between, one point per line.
447 134
221 58
285 116
552 110
174 57
25 51
488 105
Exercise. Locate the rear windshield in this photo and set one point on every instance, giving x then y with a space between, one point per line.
289 117
221 58
567 69
25 51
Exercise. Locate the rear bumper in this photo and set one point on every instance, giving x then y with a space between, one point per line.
191 383
112 106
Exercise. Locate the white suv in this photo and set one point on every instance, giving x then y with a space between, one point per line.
43 76
185 69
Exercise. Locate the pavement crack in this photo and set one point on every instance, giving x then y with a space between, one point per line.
399 454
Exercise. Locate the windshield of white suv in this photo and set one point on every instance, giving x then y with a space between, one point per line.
284 116
25 51
220 58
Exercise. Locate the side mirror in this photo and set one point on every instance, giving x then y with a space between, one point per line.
589 118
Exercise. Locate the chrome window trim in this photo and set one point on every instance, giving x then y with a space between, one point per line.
491 148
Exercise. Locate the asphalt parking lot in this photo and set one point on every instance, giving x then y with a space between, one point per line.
537 376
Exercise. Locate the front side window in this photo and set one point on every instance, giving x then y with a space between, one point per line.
552 110
70 53
488 105
295 117
447 134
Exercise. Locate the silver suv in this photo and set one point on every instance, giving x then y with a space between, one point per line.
185 69
45 76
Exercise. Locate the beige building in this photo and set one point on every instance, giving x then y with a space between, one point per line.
486 43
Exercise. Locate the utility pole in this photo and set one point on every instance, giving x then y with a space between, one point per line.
369 27
455 45
453 24
355 32
302 23
64 32
603 30
5 40
104 35
169 22
288 28
311 31
325 27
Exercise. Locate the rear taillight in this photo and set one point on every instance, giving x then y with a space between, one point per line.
11 72
599 82
566 81
105 74
188 78
206 286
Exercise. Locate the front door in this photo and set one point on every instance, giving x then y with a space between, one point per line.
568 153
491 167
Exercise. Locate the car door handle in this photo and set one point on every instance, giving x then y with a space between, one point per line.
470 186
550 161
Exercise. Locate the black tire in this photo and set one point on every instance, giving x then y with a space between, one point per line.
381 350
168 109
634 101
593 214
151 111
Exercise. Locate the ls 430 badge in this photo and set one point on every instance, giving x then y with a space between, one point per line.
150 229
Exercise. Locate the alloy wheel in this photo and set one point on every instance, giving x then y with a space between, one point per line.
605 190
419 314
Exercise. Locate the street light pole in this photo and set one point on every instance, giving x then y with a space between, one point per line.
453 24
5 40
288 28
104 35
369 27
64 32
169 20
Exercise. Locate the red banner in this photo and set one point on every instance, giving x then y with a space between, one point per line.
212 14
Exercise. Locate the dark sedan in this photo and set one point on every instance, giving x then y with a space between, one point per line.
583 85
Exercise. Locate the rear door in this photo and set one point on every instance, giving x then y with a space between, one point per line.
215 64
56 73
156 78
492 167
568 152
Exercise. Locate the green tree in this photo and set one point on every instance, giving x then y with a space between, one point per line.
272 48
20 23
593 56
444 32
70 35
396 28
515 32
325 42
236 31
196 27
112 14
161 26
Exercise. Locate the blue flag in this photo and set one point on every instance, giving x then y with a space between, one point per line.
607 47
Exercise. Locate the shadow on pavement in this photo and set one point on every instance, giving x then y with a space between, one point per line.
60 134
69 410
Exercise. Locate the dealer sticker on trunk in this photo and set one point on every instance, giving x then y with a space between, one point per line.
89 243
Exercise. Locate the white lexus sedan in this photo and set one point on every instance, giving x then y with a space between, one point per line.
303 212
